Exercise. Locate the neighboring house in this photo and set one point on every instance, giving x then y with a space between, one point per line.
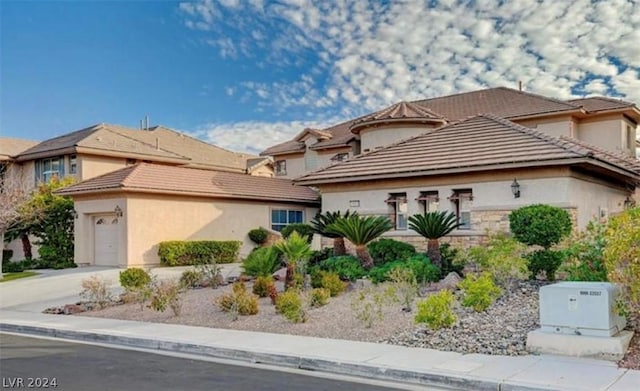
123 215
104 148
481 169
607 123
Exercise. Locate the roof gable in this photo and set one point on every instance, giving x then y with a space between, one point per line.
481 142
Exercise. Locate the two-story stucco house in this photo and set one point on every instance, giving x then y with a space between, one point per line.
194 194
440 154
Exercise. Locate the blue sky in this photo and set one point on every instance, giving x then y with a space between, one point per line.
249 74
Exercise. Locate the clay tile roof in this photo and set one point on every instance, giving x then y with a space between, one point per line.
599 103
11 147
163 179
501 101
483 142
402 112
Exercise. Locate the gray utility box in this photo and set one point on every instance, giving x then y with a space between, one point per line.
580 308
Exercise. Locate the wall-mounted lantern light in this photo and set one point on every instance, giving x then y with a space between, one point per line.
515 189
118 211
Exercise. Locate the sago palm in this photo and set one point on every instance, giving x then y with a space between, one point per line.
433 226
322 221
360 231
296 251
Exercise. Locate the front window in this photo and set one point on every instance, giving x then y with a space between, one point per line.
429 201
283 217
73 164
399 209
49 168
281 167
462 200
340 157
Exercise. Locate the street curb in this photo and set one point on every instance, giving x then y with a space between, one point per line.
432 378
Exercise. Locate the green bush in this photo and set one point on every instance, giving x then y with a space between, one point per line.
191 278
261 286
503 258
436 310
332 282
183 253
346 266
319 297
134 278
585 254
544 260
262 261
7 254
289 304
239 301
622 260
449 258
419 264
320 255
541 225
388 250
258 235
301 228
479 292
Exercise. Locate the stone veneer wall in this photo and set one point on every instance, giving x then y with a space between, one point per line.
483 222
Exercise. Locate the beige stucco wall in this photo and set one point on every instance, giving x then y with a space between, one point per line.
492 196
295 165
150 219
373 138
555 127
90 166
607 132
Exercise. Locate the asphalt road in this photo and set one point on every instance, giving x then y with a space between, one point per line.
34 363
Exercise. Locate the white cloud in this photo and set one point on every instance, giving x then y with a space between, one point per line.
366 55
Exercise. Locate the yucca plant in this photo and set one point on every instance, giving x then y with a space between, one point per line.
360 231
296 251
261 262
432 226
322 221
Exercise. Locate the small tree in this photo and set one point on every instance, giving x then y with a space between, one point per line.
432 226
296 251
14 191
541 225
360 231
324 220
622 260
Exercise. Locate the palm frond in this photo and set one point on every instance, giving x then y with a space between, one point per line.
434 225
360 230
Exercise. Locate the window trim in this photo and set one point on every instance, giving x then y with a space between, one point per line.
277 167
287 210
456 198
43 175
426 197
394 201
73 164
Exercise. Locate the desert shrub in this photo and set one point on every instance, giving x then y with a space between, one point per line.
332 282
183 253
406 287
479 292
211 274
540 225
419 264
167 293
289 304
320 255
388 250
262 261
258 235
544 260
302 229
134 278
96 290
261 286
346 266
503 258
368 304
319 297
450 260
622 260
584 253
191 278
437 310
239 301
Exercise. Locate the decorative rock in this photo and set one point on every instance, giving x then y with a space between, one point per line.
70 309
280 275
450 281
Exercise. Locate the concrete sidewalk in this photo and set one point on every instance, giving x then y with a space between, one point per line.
370 360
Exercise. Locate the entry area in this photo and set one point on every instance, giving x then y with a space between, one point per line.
105 234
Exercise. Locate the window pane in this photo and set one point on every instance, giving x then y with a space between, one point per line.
299 216
401 221
432 206
465 220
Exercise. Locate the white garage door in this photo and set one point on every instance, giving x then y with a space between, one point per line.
106 240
